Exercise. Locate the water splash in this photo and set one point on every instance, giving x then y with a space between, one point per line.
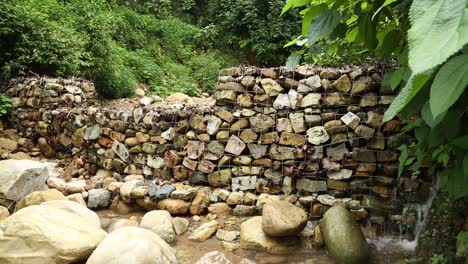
387 242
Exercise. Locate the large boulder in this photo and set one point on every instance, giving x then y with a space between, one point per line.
281 218
160 223
343 236
21 177
53 232
252 237
133 245
39 197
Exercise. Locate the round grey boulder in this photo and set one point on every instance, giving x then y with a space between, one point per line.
343 236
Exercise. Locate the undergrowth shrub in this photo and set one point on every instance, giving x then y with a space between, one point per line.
111 44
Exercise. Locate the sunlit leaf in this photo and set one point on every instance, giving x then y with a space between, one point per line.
438 30
287 6
352 34
290 43
412 87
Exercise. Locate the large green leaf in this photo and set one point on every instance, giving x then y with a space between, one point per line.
293 60
455 181
393 79
391 41
429 118
449 84
310 15
368 31
439 29
461 142
412 87
293 3
323 25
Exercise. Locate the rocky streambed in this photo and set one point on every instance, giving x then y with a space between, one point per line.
45 226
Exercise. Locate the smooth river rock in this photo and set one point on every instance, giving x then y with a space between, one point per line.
53 232
133 245
281 218
252 237
205 231
343 236
39 197
160 223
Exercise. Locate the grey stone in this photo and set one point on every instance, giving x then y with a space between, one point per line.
282 102
120 150
92 132
294 98
163 192
343 236
98 198
311 185
342 174
311 99
244 183
180 225
156 162
19 178
310 84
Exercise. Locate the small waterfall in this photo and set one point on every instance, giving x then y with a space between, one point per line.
388 241
422 211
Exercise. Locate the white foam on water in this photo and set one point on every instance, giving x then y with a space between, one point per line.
386 242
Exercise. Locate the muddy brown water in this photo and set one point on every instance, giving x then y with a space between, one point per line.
211 251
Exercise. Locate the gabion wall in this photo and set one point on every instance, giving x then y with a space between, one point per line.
315 134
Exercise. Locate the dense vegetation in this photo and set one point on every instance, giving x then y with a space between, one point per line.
428 40
168 45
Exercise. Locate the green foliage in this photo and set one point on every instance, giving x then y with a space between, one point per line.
438 259
117 46
438 30
442 95
322 25
5 105
427 38
253 26
34 36
463 236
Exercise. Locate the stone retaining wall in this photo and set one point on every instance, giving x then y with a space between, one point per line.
313 135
